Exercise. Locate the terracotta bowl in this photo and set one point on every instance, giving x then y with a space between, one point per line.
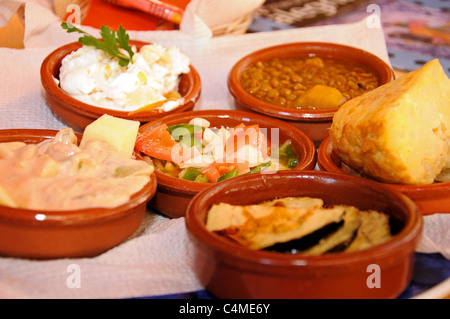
229 270
314 123
173 194
78 114
431 199
40 234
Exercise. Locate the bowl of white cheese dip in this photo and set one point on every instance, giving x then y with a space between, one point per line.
82 83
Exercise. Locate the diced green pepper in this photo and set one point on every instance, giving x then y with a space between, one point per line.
286 148
179 130
201 179
184 134
188 142
287 155
229 174
260 167
292 162
189 174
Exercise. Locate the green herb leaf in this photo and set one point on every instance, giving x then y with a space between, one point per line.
123 39
110 42
91 41
71 28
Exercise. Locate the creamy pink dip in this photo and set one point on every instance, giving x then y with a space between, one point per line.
57 174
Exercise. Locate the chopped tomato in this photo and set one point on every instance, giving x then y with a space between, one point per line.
211 173
158 143
264 145
247 135
214 170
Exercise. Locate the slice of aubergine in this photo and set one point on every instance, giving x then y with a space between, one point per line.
341 238
357 231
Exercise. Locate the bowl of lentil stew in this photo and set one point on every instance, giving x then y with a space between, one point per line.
305 83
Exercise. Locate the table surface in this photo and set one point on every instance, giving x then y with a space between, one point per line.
430 271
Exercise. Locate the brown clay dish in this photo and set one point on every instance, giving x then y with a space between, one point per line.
431 199
230 270
174 194
314 123
39 234
78 114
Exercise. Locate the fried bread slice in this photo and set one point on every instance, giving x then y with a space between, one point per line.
342 237
374 230
259 226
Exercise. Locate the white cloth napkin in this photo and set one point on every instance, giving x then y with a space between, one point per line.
158 259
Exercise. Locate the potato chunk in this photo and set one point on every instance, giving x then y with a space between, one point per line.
321 97
119 133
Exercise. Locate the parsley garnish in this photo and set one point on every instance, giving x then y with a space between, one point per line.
110 44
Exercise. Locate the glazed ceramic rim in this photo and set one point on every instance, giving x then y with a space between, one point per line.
326 163
323 49
65 100
266 259
68 217
176 185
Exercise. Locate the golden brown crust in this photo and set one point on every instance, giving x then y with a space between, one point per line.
399 132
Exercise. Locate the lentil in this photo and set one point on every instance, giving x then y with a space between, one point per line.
288 82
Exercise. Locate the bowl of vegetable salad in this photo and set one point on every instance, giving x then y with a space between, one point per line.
194 150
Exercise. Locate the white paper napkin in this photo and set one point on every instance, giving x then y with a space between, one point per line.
157 262
158 259
436 235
